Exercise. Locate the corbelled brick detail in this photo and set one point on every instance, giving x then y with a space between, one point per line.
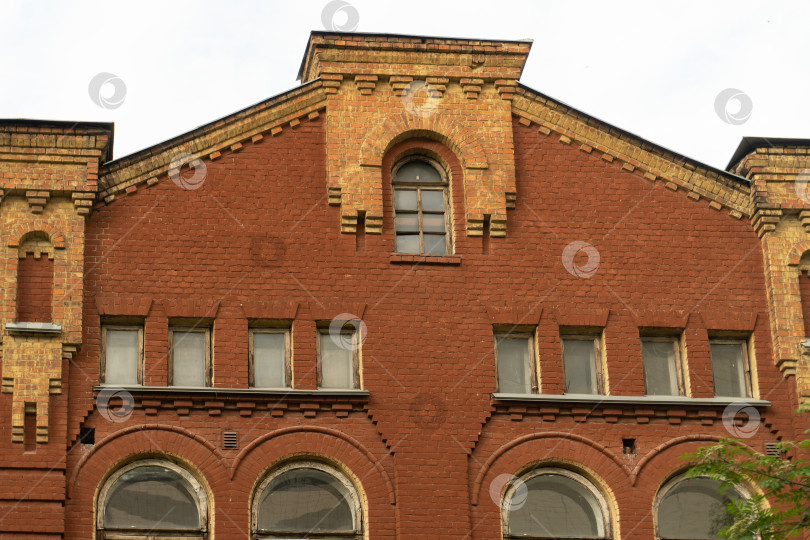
45 169
229 134
654 163
781 207
456 92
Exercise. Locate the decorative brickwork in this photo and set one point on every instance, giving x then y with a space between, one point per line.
430 93
44 169
781 202
256 246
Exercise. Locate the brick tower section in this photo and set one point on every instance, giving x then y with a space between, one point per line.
48 181
385 89
781 204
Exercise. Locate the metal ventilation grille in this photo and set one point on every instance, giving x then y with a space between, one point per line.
771 449
229 440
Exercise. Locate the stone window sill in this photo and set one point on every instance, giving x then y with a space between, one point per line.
33 328
448 260
629 400
252 392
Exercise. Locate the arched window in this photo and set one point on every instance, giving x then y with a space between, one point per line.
693 508
554 503
152 499
421 219
306 500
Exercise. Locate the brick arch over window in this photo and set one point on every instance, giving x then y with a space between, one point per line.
396 128
20 234
587 458
489 186
279 444
509 454
190 451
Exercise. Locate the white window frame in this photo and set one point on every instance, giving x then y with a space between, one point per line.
287 355
512 487
528 334
118 534
600 368
444 186
349 328
674 481
680 371
357 507
749 385
208 366
103 363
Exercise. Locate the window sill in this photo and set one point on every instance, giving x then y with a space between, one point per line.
448 260
629 400
214 391
33 328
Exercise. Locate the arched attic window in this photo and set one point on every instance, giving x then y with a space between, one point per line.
152 499
35 278
549 502
421 203
693 508
306 500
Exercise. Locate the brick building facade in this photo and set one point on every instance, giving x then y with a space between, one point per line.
410 298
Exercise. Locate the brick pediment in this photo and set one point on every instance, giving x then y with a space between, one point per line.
721 190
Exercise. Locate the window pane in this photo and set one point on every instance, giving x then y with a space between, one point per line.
407 223
405 199
433 222
728 369
407 243
580 366
694 509
151 497
435 244
557 506
306 500
188 356
269 351
432 200
418 171
121 357
337 362
514 365
660 377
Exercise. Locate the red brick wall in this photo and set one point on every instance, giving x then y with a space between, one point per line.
34 288
260 229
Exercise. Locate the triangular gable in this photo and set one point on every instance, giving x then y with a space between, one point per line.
268 117
699 181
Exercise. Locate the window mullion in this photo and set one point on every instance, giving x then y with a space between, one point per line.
419 218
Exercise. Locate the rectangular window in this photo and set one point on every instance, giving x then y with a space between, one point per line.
662 366
339 359
122 355
270 358
190 357
514 358
582 362
730 368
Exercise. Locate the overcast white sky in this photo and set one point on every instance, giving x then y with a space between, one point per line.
649 67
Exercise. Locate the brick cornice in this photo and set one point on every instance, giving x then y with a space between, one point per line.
268 118
653 162
423 56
